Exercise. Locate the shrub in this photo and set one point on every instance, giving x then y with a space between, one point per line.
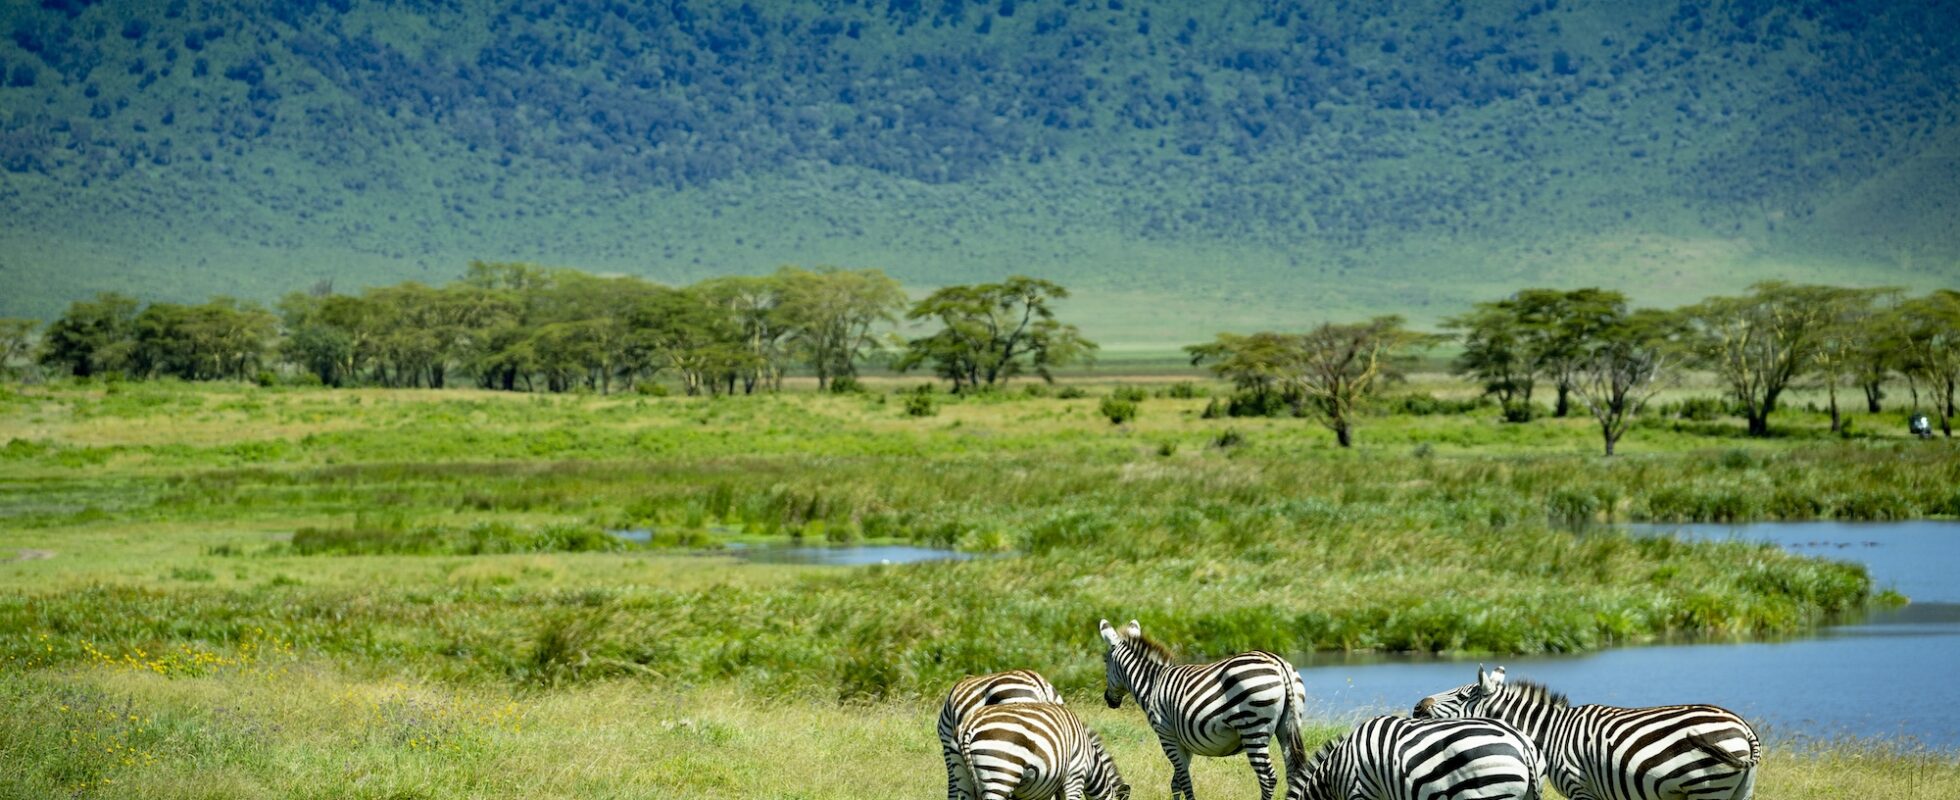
1167 449
1258 404
1698 409
846 384
1118 410
650 389
1213 410
1183 390
921 404
1227 439
1520 412
1035 390
1134 394
1071 393
266 378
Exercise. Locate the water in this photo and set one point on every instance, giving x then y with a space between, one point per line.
1890 676
845 556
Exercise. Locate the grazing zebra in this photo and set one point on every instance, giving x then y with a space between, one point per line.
1605 753
1037 751
1013 686
1216 709
1391 758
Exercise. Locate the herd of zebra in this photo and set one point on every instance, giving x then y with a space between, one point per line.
1008 735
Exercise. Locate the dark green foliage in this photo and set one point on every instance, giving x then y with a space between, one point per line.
992 332
921 403
1118 410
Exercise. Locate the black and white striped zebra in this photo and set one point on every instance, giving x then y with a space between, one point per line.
971 694
1392 758
1036 751
1688 752
1218 709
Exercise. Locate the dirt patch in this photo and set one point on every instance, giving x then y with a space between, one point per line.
33 555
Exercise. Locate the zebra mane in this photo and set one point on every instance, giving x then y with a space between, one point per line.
1151 649
1537 694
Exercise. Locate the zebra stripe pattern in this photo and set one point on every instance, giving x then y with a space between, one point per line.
1391 758
1687 752
971 694
1218 709
1036 751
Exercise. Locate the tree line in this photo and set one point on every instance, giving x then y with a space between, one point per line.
1589 346
519 327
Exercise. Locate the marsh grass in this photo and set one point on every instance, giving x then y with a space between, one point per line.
457 541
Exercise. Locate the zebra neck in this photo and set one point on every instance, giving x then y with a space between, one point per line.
1537 721
1144 674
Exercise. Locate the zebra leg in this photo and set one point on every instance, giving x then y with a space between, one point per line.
1262 764
1072 789
1180 770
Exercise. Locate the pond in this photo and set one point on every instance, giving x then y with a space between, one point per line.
1889 676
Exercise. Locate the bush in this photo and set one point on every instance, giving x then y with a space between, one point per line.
1134 394
921 404
1183 390
1118 410
1258 404
1167 449
1520 412
1417 404
1035 390
846 384
650 389
1213 410
1227 439
1071 393
266 378
1698 409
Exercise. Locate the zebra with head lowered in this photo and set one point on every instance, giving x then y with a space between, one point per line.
973 693
1391 758
1691 752
1217 709
1036 751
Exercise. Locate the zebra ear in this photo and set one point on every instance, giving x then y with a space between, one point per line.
1108 633
1491 680
1136 629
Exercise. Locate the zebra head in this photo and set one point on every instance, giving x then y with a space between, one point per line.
1123 645
1104 782
1463 700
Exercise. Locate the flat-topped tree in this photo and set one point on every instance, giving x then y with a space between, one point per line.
1932 341
992 332
1622 364
1325 373
1760 342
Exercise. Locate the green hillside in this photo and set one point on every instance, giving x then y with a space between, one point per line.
1184 169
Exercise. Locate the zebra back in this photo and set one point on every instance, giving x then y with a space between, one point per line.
1000 688
1035 750
1693 751
1392 758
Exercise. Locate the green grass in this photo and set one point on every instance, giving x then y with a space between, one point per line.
287 592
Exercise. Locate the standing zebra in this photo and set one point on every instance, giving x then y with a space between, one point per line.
1691 752
970 694
1391 758
1216 709
1037 751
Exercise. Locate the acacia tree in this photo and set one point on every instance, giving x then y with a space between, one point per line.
93 336
1848 345
1761 342
1933 343
1261 365
1495 351
1624 363
16 342
831 314
992 332
1339 365
1557 328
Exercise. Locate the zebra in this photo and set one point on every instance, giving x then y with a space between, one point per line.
1218 709
1392 758
1687 752
1013 686
1036 751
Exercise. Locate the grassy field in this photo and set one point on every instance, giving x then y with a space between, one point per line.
223 591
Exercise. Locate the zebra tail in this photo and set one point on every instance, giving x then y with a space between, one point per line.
1716 749
1291 736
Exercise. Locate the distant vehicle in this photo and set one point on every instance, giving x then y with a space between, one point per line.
1920 426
